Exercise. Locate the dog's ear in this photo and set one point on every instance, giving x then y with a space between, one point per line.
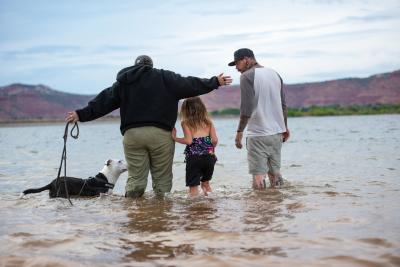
108 163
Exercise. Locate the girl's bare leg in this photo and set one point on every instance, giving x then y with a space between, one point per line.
193 191
205 186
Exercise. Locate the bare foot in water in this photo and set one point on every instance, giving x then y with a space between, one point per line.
205 186
259 182
193 191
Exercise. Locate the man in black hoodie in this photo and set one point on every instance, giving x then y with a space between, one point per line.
148 101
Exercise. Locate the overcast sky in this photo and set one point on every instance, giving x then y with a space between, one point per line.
79 46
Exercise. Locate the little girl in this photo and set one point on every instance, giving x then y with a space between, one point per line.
200 138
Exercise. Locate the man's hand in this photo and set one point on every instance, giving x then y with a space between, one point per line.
286 135
72 116
238 140
224 80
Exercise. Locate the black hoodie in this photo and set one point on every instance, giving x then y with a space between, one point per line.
146 97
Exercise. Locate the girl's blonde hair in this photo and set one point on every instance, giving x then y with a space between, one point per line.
194 113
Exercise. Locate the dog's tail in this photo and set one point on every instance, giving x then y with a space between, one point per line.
35 190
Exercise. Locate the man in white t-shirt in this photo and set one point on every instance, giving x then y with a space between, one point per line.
263 110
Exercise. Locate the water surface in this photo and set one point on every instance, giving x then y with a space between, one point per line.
339 206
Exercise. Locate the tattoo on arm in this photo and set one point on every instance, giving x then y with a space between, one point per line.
285 116
242 123
283 101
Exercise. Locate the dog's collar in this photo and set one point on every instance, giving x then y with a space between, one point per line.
111 186
104 178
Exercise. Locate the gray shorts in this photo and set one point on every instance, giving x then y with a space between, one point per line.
264 154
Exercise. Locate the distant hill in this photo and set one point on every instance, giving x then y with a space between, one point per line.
376 89
20 102
37 102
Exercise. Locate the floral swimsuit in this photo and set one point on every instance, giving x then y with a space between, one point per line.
199 146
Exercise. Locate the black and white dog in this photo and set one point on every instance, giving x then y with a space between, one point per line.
103 182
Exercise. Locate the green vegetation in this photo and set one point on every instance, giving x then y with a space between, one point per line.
332 110
336 110
226 112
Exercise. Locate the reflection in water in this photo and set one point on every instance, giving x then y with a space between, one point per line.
147 218
198 214
176 226
153 222
262 209
149 215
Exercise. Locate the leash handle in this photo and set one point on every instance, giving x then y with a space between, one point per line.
75 136
64 157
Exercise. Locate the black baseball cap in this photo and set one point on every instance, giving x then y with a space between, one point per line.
240 54
144 60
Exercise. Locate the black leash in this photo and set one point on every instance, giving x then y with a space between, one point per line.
64 157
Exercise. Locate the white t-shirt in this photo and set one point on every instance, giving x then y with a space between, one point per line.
262 100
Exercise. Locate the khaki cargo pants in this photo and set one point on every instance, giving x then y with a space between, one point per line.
148 149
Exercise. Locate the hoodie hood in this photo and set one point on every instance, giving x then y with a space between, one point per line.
132 74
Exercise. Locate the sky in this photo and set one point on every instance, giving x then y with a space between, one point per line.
79 46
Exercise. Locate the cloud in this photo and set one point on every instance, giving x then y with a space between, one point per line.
345 35
372 17
42 39
352 72
207 8
82 79
197 50
221 38
56 53
270 55
46 49
309 53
